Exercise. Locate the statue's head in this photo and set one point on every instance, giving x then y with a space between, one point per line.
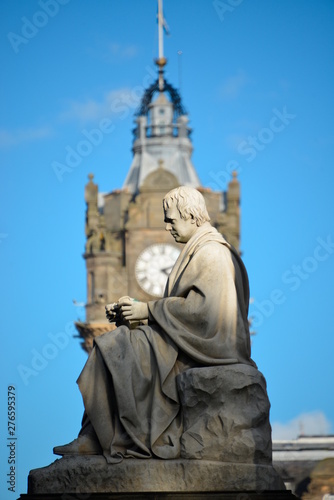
189 203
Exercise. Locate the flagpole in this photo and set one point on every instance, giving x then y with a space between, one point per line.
161 61
161 39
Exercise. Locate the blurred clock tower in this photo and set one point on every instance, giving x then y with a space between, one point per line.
128 251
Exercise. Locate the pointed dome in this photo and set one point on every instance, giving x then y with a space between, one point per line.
161 133
161 100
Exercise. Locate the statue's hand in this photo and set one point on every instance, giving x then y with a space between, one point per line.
132 310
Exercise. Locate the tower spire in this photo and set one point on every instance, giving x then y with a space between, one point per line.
161 61
160 21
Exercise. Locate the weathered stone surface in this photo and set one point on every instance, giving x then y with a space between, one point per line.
227 435
92 474
226 414
163 495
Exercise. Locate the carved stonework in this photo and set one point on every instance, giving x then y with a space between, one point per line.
159 179
225 414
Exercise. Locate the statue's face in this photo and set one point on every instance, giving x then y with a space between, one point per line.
181 230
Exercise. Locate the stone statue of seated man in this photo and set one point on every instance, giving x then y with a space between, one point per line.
129 383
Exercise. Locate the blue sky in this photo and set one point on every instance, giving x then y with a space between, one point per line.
257 79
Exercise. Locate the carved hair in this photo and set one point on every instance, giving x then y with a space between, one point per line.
189 202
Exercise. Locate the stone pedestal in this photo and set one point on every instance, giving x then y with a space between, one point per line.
75 477
249 495
225 450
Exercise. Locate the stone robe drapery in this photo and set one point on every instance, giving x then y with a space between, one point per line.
129 381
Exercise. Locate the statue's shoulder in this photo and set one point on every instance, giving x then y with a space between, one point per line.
210 249
209 235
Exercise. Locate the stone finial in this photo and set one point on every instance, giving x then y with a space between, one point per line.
234 181
91 191
234 186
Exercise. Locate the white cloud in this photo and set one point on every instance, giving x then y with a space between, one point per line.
119 101
233 85
311 424
112 51
247 124
243 128
85 110
123 51
234 140
9 138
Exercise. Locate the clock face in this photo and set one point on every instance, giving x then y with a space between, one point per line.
153 267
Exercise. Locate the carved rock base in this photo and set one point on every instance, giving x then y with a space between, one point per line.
244 495
92 474
226 450
225 414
